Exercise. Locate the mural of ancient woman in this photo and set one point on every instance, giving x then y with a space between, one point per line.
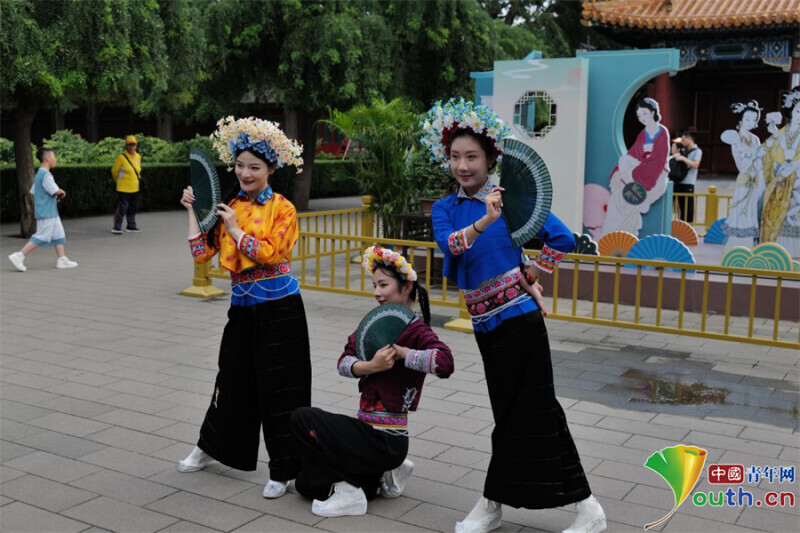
780 166
640 177
742 225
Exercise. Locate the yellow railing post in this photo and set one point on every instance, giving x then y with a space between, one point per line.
367 220
201 286
712 206
464 321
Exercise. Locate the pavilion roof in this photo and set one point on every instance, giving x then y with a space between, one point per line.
691 15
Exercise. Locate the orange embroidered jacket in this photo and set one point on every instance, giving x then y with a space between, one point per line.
270 233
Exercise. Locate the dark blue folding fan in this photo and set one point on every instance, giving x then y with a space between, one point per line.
528 191
205 185
381 327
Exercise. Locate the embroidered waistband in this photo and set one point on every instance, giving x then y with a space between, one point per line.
394 423
495 293
260 273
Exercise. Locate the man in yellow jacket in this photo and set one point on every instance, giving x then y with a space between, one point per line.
127 171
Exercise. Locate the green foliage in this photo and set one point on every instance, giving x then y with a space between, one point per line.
430 181
69 147
7 151
91 191
387 133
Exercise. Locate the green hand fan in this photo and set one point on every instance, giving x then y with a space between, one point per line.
528 191
382 326
205 184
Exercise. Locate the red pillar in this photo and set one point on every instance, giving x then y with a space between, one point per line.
664 98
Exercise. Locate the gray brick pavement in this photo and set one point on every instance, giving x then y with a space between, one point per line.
105 371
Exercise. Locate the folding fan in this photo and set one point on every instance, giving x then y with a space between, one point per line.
205 184
661 247
616 243
381 327
584 244
684 232
715 234
528 191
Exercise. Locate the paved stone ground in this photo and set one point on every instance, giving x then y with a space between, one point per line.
106 373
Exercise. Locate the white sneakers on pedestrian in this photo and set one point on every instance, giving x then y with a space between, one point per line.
590 519
116 231
485 516
275 489
393 482
64 262
18 260
345 500
197 460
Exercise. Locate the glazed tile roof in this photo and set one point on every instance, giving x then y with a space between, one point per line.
690 14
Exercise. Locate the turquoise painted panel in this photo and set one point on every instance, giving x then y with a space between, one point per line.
614 78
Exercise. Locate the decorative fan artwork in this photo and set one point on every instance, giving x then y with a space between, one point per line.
661 248
381 327
205 185
584 244
684 232
616 243
528 191
715 234
767 256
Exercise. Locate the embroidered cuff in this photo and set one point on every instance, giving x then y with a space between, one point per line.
248 246
457 241
197 244
549 259
346 366
422 360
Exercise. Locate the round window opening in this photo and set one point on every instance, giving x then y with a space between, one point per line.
535 114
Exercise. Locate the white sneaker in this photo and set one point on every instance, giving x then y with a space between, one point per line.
393 482
345 500
590 519
197 460
116 231
18 260
275 489
64 262
485 516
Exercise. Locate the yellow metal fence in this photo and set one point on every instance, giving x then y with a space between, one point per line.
735 304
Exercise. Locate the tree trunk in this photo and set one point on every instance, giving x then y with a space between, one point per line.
58 120
23 155
164 126
92 129
306 128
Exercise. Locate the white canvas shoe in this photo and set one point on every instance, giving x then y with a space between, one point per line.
485 516
64 262
345 500
18 260
590 519
275 489
393 482
197 460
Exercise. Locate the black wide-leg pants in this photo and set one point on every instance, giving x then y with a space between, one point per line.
337 448
264 375
534 461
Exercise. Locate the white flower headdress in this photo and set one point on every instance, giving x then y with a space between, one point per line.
265 137
390 258
442 120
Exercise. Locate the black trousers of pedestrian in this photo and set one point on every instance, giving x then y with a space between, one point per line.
337 448
127 206
264 375
685 203
534 461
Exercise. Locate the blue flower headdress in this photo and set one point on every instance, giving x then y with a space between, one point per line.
442 120
265 137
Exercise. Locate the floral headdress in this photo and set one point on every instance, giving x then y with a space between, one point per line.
265 137
390 258
791 98
442 120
